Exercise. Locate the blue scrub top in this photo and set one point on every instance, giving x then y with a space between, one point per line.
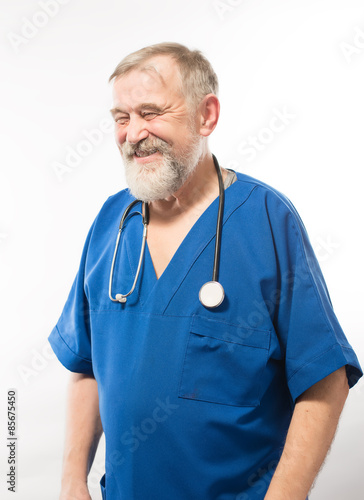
196 403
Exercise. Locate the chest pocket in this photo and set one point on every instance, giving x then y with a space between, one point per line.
224 363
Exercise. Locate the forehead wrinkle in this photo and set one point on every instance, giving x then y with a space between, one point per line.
150 68
152 74
148 85
178 84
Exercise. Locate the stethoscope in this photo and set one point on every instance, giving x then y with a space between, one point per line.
211 293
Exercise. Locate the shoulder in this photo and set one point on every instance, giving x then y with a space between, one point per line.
110 214
114 206
269 209
264 197
118 200
262 190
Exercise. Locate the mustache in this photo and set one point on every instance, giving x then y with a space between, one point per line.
147 145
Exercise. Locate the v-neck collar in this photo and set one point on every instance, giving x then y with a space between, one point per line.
157 293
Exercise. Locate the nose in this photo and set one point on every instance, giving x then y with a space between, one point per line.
136 130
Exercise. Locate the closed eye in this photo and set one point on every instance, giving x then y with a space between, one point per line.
121 119
149 115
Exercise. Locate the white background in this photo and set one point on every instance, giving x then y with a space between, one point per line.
305 57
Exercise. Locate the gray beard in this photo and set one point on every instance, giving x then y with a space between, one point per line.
164 176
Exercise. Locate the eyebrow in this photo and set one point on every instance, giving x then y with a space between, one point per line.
145 105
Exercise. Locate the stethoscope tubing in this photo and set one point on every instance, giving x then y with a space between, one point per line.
211 287
122 297
220 213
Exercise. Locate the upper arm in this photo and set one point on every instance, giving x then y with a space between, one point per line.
332 389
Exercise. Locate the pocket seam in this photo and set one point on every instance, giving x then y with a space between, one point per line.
201 322
229 341
215 322
251 404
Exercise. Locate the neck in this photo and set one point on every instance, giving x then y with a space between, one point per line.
199 190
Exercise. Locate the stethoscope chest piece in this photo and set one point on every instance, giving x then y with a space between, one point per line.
120 298
211 294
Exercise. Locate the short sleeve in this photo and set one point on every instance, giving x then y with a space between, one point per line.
70 339
310 335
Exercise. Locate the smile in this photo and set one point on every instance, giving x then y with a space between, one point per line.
143 154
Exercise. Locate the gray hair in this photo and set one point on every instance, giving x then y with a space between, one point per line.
196 75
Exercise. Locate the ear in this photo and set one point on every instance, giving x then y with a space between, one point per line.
209 112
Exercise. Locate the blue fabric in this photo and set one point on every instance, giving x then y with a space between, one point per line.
196 403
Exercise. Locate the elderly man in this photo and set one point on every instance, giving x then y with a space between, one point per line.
222 393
